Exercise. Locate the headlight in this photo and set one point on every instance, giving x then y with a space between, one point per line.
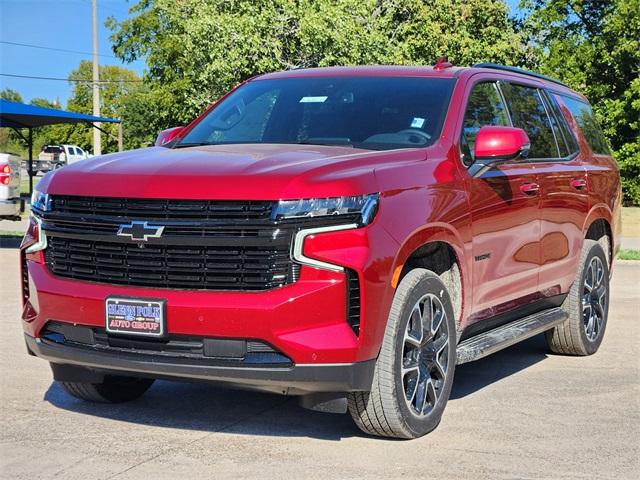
362 208
40 201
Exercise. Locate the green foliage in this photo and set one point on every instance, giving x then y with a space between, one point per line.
43 102
10 141
629 254
121 85
199 49
594 46
11 95
121 97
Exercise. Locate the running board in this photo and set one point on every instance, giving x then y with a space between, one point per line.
481 345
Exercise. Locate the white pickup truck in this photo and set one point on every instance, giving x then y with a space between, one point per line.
11 204
56 156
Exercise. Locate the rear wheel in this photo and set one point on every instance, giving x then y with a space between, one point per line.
414 371
587 306
113 389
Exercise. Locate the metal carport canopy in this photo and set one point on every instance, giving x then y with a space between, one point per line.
19 115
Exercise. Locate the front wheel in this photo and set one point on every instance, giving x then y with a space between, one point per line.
414 371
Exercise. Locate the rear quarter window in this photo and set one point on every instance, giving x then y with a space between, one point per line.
567 142
584 117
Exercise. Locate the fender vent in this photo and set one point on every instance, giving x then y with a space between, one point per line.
25 278
353 300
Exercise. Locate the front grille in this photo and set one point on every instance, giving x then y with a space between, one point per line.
205 245
146 209
166 266
178 347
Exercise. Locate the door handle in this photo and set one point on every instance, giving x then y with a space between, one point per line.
579 183
530 188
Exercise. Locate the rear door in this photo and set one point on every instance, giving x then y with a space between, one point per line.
504 205
565 205
562 182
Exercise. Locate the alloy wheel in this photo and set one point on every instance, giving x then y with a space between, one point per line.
425 355
594 299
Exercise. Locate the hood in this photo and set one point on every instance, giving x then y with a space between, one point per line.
229 172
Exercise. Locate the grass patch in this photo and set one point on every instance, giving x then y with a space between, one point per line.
24 184
11 233
631 222
629 255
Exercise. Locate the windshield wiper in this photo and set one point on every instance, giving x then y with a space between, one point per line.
194 144
327 144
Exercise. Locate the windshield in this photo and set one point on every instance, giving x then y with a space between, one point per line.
377 113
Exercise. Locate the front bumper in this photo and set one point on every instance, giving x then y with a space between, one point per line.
292 380
305 320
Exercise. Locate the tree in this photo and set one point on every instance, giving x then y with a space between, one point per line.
118 85
46 103
197 50
594 46
10 141
9 94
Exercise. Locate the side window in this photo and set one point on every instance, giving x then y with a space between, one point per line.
567 135
528 112
485 107
583 114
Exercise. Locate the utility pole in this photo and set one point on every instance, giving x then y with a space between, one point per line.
97 147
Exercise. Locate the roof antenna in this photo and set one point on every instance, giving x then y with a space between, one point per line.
442 63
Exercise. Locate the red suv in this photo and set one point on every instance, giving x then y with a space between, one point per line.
347 235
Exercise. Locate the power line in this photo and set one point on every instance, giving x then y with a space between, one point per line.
56 49
67 79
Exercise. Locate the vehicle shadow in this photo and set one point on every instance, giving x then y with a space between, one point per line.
204 407
10 241
474 376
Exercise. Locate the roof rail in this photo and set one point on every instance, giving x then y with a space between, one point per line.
497 66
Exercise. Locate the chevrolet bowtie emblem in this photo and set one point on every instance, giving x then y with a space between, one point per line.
140 231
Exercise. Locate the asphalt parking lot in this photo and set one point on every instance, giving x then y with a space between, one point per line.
521 413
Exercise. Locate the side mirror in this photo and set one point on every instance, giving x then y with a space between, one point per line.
165 136
497 145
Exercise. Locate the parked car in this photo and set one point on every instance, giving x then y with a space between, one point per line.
56 156
11 205
347 235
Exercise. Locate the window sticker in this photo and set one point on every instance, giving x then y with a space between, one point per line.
417 122
313 99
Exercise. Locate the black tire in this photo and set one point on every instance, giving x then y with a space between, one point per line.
113 389
573 337
385 410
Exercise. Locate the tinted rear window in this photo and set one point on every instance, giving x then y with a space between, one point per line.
52 149
566 140
375 113
583 114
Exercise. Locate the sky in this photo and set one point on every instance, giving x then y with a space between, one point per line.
58 24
